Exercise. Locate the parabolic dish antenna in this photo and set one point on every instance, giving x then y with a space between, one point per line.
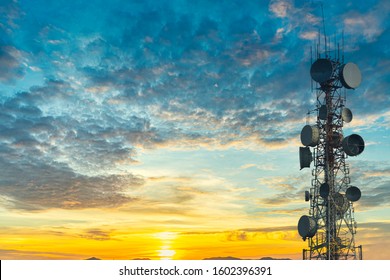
305 157
341 203
307 227
346 115
350 76
310 135
353 145
323 112
321 70
353 194
324 190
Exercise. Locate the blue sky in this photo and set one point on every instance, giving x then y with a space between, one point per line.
183 107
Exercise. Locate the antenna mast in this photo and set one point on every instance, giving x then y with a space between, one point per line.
323 24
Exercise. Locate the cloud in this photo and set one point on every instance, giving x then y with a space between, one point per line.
372 178
163 84
250 234
97 234
60 155
11 67
53 122
11 12
43 186
249 165
375 197
37 255
370 24
145 76
280 8
237 236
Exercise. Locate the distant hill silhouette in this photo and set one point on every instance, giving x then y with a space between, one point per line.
206 259
233 258
221 258
273 259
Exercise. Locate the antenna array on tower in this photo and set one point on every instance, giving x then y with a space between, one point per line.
330 226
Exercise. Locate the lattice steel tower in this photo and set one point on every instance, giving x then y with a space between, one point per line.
330 226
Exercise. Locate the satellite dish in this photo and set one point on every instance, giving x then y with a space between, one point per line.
323 112
353 145
341 203
353 194
350 76
307 196
310 135
305 157
324 190
346 115
321 70
307 227
336 139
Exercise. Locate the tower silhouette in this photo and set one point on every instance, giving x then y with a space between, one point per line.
330 226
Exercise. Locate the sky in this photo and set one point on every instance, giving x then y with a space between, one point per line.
171 129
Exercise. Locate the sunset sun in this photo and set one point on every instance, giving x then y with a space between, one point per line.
165 252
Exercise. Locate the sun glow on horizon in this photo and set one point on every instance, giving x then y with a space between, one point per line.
165 253
166 238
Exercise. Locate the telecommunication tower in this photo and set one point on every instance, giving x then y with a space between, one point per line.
330 226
